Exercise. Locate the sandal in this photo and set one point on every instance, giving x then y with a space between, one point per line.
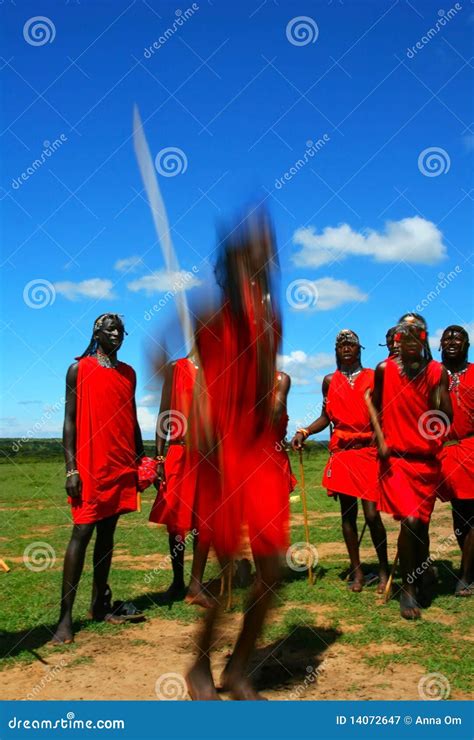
118 613
127 611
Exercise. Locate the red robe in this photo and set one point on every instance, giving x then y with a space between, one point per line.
457 458
352 465
410 477
237 356
186 471
105 441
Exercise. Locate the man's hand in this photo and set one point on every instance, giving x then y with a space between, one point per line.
160 475
384 451
74 486
297 442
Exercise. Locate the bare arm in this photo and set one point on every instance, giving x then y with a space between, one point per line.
162 422
281 395
378 387
322 422
375 410
441 399
73 483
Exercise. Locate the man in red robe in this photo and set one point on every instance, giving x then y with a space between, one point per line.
412 398
457 456
102 444
237 346
181 473
351 472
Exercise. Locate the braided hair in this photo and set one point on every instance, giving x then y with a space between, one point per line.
418 320
91 348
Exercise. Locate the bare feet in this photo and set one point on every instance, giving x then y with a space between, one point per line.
199 598
464 589
63 634
240 688
358 583
200 685
409 608
383 580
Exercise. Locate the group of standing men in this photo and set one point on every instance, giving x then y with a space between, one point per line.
226 474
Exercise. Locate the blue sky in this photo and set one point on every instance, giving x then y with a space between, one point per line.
372 221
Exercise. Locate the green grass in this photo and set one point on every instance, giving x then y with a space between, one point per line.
34 509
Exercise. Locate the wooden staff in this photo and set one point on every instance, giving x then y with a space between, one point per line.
388 588
305 515
4 566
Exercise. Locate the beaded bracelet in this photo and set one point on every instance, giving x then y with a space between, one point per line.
304 432
70 473
160 459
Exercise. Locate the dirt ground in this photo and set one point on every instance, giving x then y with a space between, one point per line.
135 664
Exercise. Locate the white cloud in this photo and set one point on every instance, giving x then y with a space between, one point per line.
333 293
146 419
163 281
301 367
411 239
93 288
150 400
128 264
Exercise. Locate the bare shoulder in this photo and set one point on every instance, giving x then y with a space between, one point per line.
72 371
284 380
327 380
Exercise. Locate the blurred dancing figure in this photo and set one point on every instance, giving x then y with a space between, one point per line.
102 445
457 456
244 402
351 472
411 396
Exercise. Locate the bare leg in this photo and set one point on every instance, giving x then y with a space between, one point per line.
234 678
379 539
463 521
73 565
199 678
177 547
103 550
409 547
196 592
349 530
